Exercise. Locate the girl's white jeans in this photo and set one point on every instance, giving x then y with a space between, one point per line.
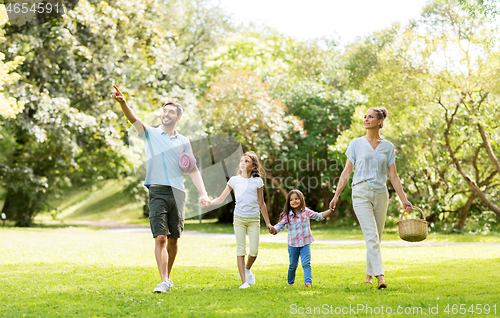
241 227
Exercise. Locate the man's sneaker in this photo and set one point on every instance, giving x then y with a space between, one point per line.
250 277
244 285
162 287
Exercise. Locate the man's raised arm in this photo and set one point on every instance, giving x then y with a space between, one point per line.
129 113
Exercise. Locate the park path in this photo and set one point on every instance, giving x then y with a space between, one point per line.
121 228
283 239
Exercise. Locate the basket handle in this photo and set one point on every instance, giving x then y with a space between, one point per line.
415 207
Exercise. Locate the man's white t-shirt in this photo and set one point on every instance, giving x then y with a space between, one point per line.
245 192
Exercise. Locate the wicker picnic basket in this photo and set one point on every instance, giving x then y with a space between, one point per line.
412 230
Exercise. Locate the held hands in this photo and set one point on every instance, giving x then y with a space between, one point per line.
118 96
333 203
204 200
271 229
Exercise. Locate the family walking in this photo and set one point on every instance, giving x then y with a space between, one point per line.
372 157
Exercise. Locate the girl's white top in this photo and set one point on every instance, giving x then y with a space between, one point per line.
245 192
371 164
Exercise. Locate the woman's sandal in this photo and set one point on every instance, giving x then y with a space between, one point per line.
369 282
382 285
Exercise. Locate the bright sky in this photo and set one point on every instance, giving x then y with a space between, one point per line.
331 18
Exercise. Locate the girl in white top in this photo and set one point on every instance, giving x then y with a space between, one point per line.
249 194
374 159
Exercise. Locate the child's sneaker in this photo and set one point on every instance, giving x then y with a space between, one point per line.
170 283
244 285
250 277
308 285
162 287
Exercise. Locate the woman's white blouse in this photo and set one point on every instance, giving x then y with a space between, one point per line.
371 164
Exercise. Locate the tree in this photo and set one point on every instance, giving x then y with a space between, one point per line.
9 106
314 89
46 154
482 7
465 98
197 28
67 134
438 78
239 104
147 47
306 77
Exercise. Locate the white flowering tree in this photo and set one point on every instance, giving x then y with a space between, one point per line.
69 133
9 106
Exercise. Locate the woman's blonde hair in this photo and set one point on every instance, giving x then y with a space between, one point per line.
381 114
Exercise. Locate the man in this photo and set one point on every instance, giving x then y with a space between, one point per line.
165 181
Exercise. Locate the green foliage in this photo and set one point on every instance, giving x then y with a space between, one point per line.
239 104
443 63
306 81
315 90
482 7
70 133
9 106
361 57
198 27
49 152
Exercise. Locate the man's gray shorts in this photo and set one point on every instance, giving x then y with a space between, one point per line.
166 211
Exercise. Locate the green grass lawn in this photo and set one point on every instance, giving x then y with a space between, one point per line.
82 272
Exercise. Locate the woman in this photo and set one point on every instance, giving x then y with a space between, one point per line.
374 159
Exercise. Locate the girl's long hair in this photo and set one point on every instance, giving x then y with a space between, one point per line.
287 207
257 171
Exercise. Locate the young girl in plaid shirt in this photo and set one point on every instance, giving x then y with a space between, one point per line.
297 219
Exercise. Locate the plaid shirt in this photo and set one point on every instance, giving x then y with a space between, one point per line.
299 229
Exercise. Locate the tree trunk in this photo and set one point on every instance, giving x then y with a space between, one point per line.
465 211
226 213
20 208
432 218
276 183
277 206
489 150
267 199
472 185
145 210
